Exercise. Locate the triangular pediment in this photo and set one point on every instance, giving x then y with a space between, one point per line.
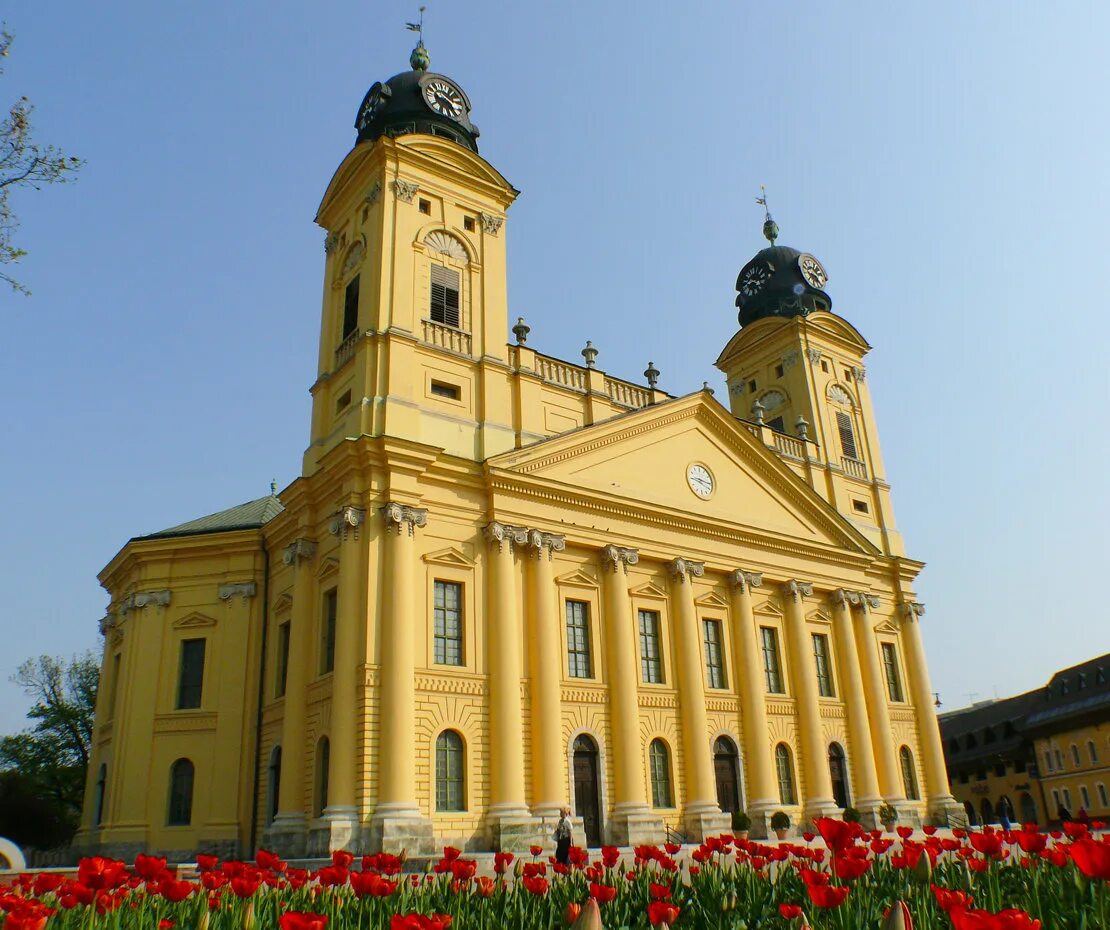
818 616
194 620
651 589
327 568
578 578
885 626
450 556
712 599
642 463
283 602
768 609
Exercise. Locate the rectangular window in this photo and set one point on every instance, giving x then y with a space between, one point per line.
893 680
714 659
448 631
821 661
327 632
114 693
350 307
860 506
651 657
425 207
190 680
778 371
847 437
777 425
1059 756
1102 798
468 223
1000 770
1047 761
1067 798
442 389
1084 796
281 672
771 669
1056 798
578 639
342 402
445 296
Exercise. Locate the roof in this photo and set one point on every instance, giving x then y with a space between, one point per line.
1073 692
248 516
987 729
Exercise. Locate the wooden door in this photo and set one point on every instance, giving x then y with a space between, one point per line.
587 800
728 790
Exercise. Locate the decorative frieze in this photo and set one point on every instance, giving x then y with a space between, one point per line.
299 550
346 521
583 696
491 224
617 557
405 190
745 581
451 685
858 599
400 516
502 533
243 589
681 569
143 599
540 543
658 700
795 590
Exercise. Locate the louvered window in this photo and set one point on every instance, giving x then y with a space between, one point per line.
847 437
445 296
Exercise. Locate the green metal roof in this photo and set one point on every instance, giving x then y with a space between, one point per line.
248 516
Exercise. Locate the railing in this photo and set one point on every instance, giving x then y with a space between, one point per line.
346 348
752 428
788 445
673 836
854 467
447 337
627 395
555 372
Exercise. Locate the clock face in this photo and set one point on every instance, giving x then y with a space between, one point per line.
444 99
700 480
371 106
754 279
813 271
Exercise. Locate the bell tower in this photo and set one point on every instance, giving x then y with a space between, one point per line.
795 374
414 312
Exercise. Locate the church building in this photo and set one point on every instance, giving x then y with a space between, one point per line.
504 582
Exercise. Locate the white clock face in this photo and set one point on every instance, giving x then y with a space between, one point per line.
813 271
754 279
700 481
444 99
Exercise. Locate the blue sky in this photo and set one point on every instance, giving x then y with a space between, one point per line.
945 161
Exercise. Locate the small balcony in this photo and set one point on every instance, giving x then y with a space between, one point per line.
853 468
346 348
447 337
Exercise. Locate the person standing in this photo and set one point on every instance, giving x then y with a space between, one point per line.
562 837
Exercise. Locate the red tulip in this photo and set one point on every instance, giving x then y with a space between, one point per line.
535 850
175 891
837 834
610 855
484 885
659 892
850 868
989 844
1092 858
150 867
672 848
46 882
662 913
502 861
570 915
790 911
827 896
948 899
245 886
265 859
371 883
904 832
929 830
537 886
206 863
166 924
99 872
978 865
1032 842
603 894
342 859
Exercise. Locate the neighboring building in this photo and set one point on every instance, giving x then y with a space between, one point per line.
1035 753
504 582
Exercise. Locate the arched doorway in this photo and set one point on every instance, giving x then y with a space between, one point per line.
727 770
838 772
986 812
1005 808
1028 808
587 788
972 818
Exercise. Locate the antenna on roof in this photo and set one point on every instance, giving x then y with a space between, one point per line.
770 227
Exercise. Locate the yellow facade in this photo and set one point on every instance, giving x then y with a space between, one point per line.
1074 766
556 503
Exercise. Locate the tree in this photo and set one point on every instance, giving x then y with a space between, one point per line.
23 163
49 761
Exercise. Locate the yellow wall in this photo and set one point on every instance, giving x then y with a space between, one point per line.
1080 759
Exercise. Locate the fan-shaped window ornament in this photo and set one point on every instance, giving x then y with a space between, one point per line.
838 394
447 245
772 400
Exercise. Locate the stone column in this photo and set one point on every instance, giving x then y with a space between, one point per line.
341 816
861 747
878 711
549 761
397 823
703 814
632 823
943 808
287 834
510 821
762 788
815 759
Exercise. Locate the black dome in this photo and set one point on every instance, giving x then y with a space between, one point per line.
399 106
773 284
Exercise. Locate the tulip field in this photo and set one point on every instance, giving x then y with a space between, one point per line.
842 878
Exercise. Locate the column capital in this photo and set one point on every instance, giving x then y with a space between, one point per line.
347 520
399 516
617 557
299 550
244 589
861 600
502 533
796 590
539 542
142 599
745 581
680 569
912 609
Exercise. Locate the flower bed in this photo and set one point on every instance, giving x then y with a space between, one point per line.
989 880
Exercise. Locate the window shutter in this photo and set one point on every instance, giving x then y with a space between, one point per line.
847 437
445 296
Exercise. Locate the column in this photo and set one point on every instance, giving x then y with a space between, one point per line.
762 788
397 823
511 822
342 814
549 760
703 814
286 835
815 760
632 822
878 711
943 808
861 748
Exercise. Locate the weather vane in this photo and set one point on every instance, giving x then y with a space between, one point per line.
770 227
418 28
419 59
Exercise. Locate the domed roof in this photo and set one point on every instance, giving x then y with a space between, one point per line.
417 101
780 281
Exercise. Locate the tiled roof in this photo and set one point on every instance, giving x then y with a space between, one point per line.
250 515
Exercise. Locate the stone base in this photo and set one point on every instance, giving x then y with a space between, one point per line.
516 832
909 814
701 823
760 813
869 813
636 826
339 828
947 812
400 828
548 823
819 807
287 836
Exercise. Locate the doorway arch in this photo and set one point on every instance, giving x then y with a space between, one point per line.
838 773
986 812
726 770
1028 808
586 770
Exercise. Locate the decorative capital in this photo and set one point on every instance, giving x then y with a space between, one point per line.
490 223
913 609
859 373
683 568
744 581
405 190
243 589
814 356
347 520
502 533
399 516
796 590
331 240
840 597
143 599
615 558
299 550
540 542
374 194
106 624
790 358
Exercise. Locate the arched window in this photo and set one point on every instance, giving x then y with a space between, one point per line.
450 772
660 759
972 819
101 788
448 255
726 768
986 811
323 764
273 784
909 774
180 812
1102 796
1028 808
838 773
1074 754
1092 751
785 768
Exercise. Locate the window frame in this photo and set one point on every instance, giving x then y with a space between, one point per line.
660 776
892 672
716 675
349 321
652 667
443 306
447 643
321 771
908 766
329 618
174 804
450 772
281 657
784 774
578 645
822 662
773 681
182 696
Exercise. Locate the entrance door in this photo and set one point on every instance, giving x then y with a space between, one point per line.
725 758
838 775
587 789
